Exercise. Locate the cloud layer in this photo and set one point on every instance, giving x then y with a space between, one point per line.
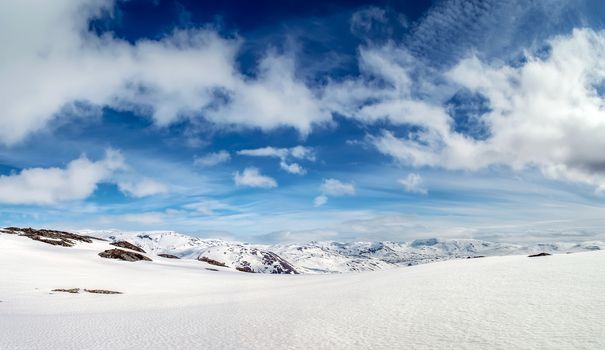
76 181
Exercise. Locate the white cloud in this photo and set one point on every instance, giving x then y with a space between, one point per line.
333 187
413 183
265 152
142 188
212 159
298 152
76 181
292 168
189 74
208 207
251 177
546 113
320 200
150 218
302 152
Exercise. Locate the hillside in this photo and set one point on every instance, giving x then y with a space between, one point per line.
510 302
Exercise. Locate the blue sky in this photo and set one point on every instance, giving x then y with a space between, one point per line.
278 121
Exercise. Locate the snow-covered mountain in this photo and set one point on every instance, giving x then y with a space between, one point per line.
328 256
58 292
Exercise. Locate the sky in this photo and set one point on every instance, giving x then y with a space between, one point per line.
288 121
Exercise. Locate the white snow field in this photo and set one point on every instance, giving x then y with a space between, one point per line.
511 302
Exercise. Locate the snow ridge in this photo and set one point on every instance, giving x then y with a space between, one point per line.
329 256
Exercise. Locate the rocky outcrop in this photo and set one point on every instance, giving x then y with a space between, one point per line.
169 256
280 266
127 245
93 291
52 237
211 261
102 291
539 254
67 290
245 269
124 255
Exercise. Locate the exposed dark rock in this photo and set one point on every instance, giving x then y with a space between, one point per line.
123 255
169 256
539 254
128 245
67 290
280 266
52 237
211 269
245 269
211 261
475 257
102 291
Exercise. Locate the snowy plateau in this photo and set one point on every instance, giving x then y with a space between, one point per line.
174 291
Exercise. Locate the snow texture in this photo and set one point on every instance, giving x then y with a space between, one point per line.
509 302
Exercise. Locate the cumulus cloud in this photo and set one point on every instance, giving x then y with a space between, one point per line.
142 188
320 200
212 159
292 168
251 177
76 181
57 61
298 152
546 112
413 183
333 187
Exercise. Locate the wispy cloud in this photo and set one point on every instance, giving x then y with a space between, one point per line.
413 183
334 187
142 187
298 152
212 159
251 177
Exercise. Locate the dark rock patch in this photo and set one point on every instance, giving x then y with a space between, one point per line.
539 254
211 269
211 261
280 266
52 237
169 256
128 245
67 290
245 269
101 291
124 255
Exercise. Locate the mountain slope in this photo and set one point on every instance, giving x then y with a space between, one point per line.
328 256
512 302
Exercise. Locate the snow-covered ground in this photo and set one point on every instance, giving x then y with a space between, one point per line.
329 256
511 302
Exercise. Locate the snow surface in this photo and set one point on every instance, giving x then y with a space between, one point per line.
510 302
329 256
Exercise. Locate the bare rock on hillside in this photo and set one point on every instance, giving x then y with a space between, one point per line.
52 237
67 290
127 245
211 261
124 255
539 254
102 291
